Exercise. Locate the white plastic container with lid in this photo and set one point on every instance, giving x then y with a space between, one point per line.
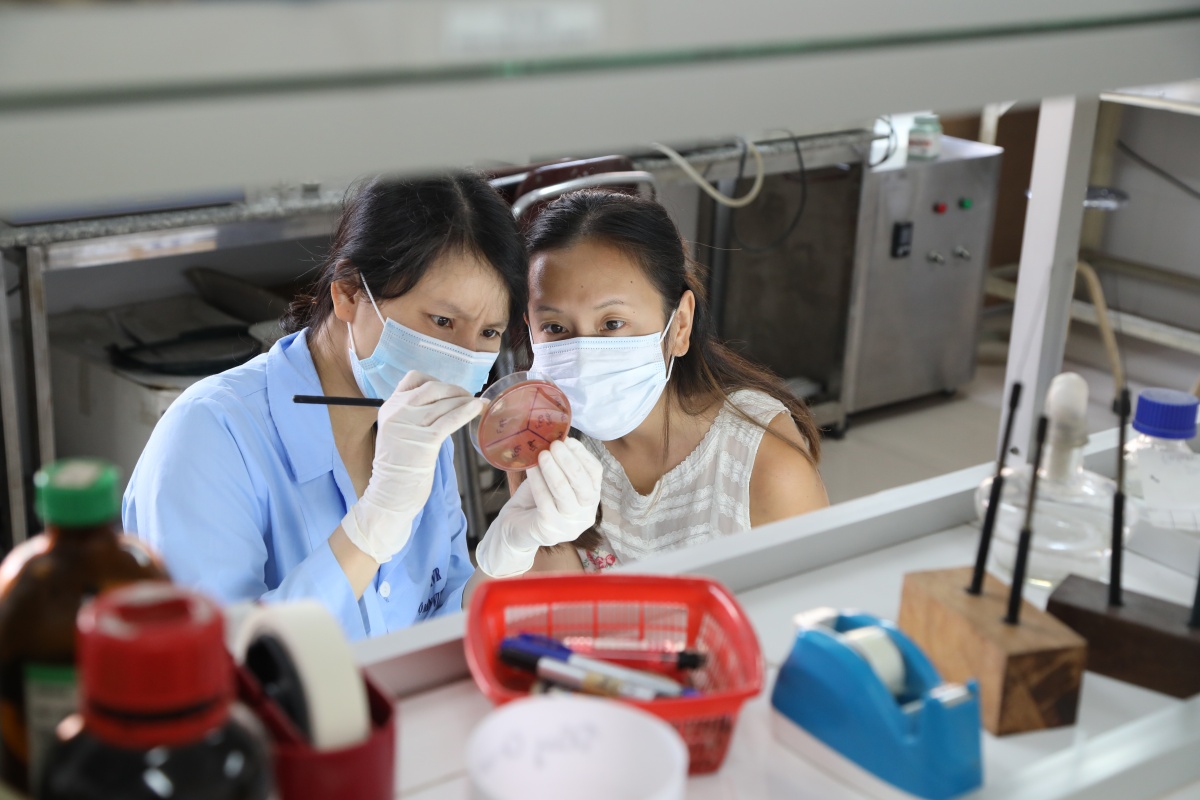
925 138
1072 520
583 748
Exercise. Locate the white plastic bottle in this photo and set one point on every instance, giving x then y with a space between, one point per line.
925 138
1072 521
1162 475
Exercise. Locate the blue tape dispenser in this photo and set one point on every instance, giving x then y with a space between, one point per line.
855 686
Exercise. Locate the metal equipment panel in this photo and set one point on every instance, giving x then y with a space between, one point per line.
785 306
924 233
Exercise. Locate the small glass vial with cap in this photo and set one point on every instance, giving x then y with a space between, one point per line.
925 138
1160 469
157 690
43 582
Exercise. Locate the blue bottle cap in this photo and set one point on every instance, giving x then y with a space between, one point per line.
1166 413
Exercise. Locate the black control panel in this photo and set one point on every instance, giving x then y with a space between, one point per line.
902 239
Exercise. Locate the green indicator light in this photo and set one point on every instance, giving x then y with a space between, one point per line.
965 203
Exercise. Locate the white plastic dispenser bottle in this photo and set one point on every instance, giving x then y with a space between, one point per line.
1072 521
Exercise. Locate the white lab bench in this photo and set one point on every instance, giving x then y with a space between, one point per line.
1128 742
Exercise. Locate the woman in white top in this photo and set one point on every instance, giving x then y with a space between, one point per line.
696 442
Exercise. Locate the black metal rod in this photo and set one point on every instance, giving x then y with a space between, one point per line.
989 517
324 400
1194 622
985 534
1026 537
1115 594
1118 518
718 268
1013 617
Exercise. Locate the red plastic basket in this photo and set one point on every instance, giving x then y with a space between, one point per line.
695 613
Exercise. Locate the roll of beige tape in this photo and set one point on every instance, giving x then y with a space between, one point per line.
314 677
878 649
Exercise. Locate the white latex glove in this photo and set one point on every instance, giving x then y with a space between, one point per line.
556 503
413 424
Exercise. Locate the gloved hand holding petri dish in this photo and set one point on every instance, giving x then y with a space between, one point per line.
524 415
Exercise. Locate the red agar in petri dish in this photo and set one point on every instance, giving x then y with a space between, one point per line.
523 419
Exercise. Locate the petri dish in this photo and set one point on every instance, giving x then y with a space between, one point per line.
525 414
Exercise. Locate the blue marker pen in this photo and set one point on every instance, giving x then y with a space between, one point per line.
545 647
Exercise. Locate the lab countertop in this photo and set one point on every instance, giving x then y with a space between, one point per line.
434 725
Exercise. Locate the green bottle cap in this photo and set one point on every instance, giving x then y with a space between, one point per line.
77 492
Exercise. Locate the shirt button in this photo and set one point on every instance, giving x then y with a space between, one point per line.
385 590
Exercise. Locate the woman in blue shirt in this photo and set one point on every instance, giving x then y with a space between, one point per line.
248 495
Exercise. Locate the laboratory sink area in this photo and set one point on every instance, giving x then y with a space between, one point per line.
603 400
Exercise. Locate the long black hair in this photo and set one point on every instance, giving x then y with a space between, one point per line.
392 230
643 230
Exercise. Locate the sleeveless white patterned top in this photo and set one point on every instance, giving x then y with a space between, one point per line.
707 495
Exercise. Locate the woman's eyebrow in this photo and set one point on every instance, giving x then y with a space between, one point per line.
449 309
612 301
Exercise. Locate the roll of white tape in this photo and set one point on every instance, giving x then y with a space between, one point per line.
878 650
236 615
299 650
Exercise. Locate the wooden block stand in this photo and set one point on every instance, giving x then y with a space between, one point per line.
1145 641
1029 674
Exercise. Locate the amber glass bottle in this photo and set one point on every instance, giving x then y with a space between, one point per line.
43 582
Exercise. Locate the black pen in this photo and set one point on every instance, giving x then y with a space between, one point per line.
325 400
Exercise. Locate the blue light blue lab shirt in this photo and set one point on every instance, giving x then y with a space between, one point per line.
239 490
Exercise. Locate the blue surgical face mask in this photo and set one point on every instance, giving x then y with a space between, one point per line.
402 350
612 382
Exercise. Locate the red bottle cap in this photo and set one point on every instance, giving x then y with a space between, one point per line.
154 667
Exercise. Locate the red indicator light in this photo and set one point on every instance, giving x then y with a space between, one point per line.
939 208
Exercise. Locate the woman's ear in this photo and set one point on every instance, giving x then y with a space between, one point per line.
681 339
346 297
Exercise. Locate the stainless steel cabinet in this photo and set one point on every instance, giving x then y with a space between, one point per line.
924 233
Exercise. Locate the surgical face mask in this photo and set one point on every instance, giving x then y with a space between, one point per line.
612 382
401 350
